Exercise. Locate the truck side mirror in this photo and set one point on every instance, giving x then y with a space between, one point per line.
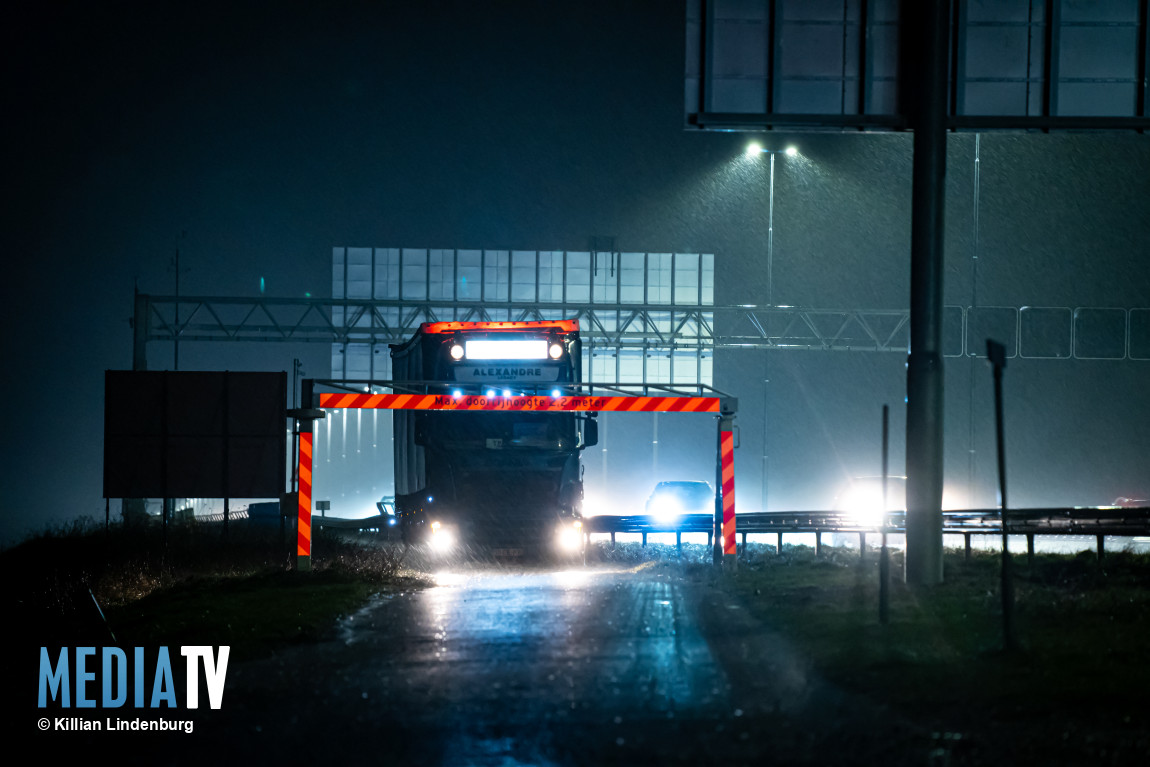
590 432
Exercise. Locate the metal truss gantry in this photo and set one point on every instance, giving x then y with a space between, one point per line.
637 326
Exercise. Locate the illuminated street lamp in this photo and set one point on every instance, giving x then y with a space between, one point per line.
754 150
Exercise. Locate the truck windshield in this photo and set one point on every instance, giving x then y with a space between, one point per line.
538 431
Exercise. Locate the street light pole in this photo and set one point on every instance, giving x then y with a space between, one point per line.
754 150
771 238
767 350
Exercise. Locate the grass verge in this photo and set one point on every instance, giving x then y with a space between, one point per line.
1080 684
135 586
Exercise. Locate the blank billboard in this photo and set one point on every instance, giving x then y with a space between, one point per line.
194 434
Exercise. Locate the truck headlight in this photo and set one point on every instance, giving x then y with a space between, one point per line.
570 535
442 538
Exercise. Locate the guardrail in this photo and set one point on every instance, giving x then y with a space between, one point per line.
1098 521
233 516
378 522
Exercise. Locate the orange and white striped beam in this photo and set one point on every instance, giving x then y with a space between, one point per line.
537 404
727 463
448 402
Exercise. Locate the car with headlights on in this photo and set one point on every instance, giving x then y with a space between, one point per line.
674 499
861 499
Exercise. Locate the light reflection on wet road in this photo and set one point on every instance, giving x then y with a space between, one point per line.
497 651
556 642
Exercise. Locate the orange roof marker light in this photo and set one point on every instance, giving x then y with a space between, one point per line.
567 326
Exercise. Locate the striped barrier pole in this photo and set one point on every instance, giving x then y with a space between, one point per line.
303 527
727 462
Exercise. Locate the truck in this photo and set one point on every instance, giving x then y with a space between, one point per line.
506 482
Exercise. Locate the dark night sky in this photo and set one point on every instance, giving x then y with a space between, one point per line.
270 132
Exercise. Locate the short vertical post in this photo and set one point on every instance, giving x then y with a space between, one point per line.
779 544
644 534
966 546
1030 549
818 543
612 540
164 464
227 435
996 354
1101 546
884 552
679 542
862 548
289 507
716 541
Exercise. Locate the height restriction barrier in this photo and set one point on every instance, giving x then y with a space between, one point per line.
723 407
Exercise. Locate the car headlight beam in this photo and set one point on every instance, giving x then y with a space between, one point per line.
666 509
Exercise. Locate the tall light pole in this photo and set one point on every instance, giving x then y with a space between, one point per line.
755 150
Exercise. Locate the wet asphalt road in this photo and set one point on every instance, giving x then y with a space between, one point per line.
596 665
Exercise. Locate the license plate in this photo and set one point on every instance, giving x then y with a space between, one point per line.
507 552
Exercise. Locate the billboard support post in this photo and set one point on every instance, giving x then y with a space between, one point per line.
927 43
